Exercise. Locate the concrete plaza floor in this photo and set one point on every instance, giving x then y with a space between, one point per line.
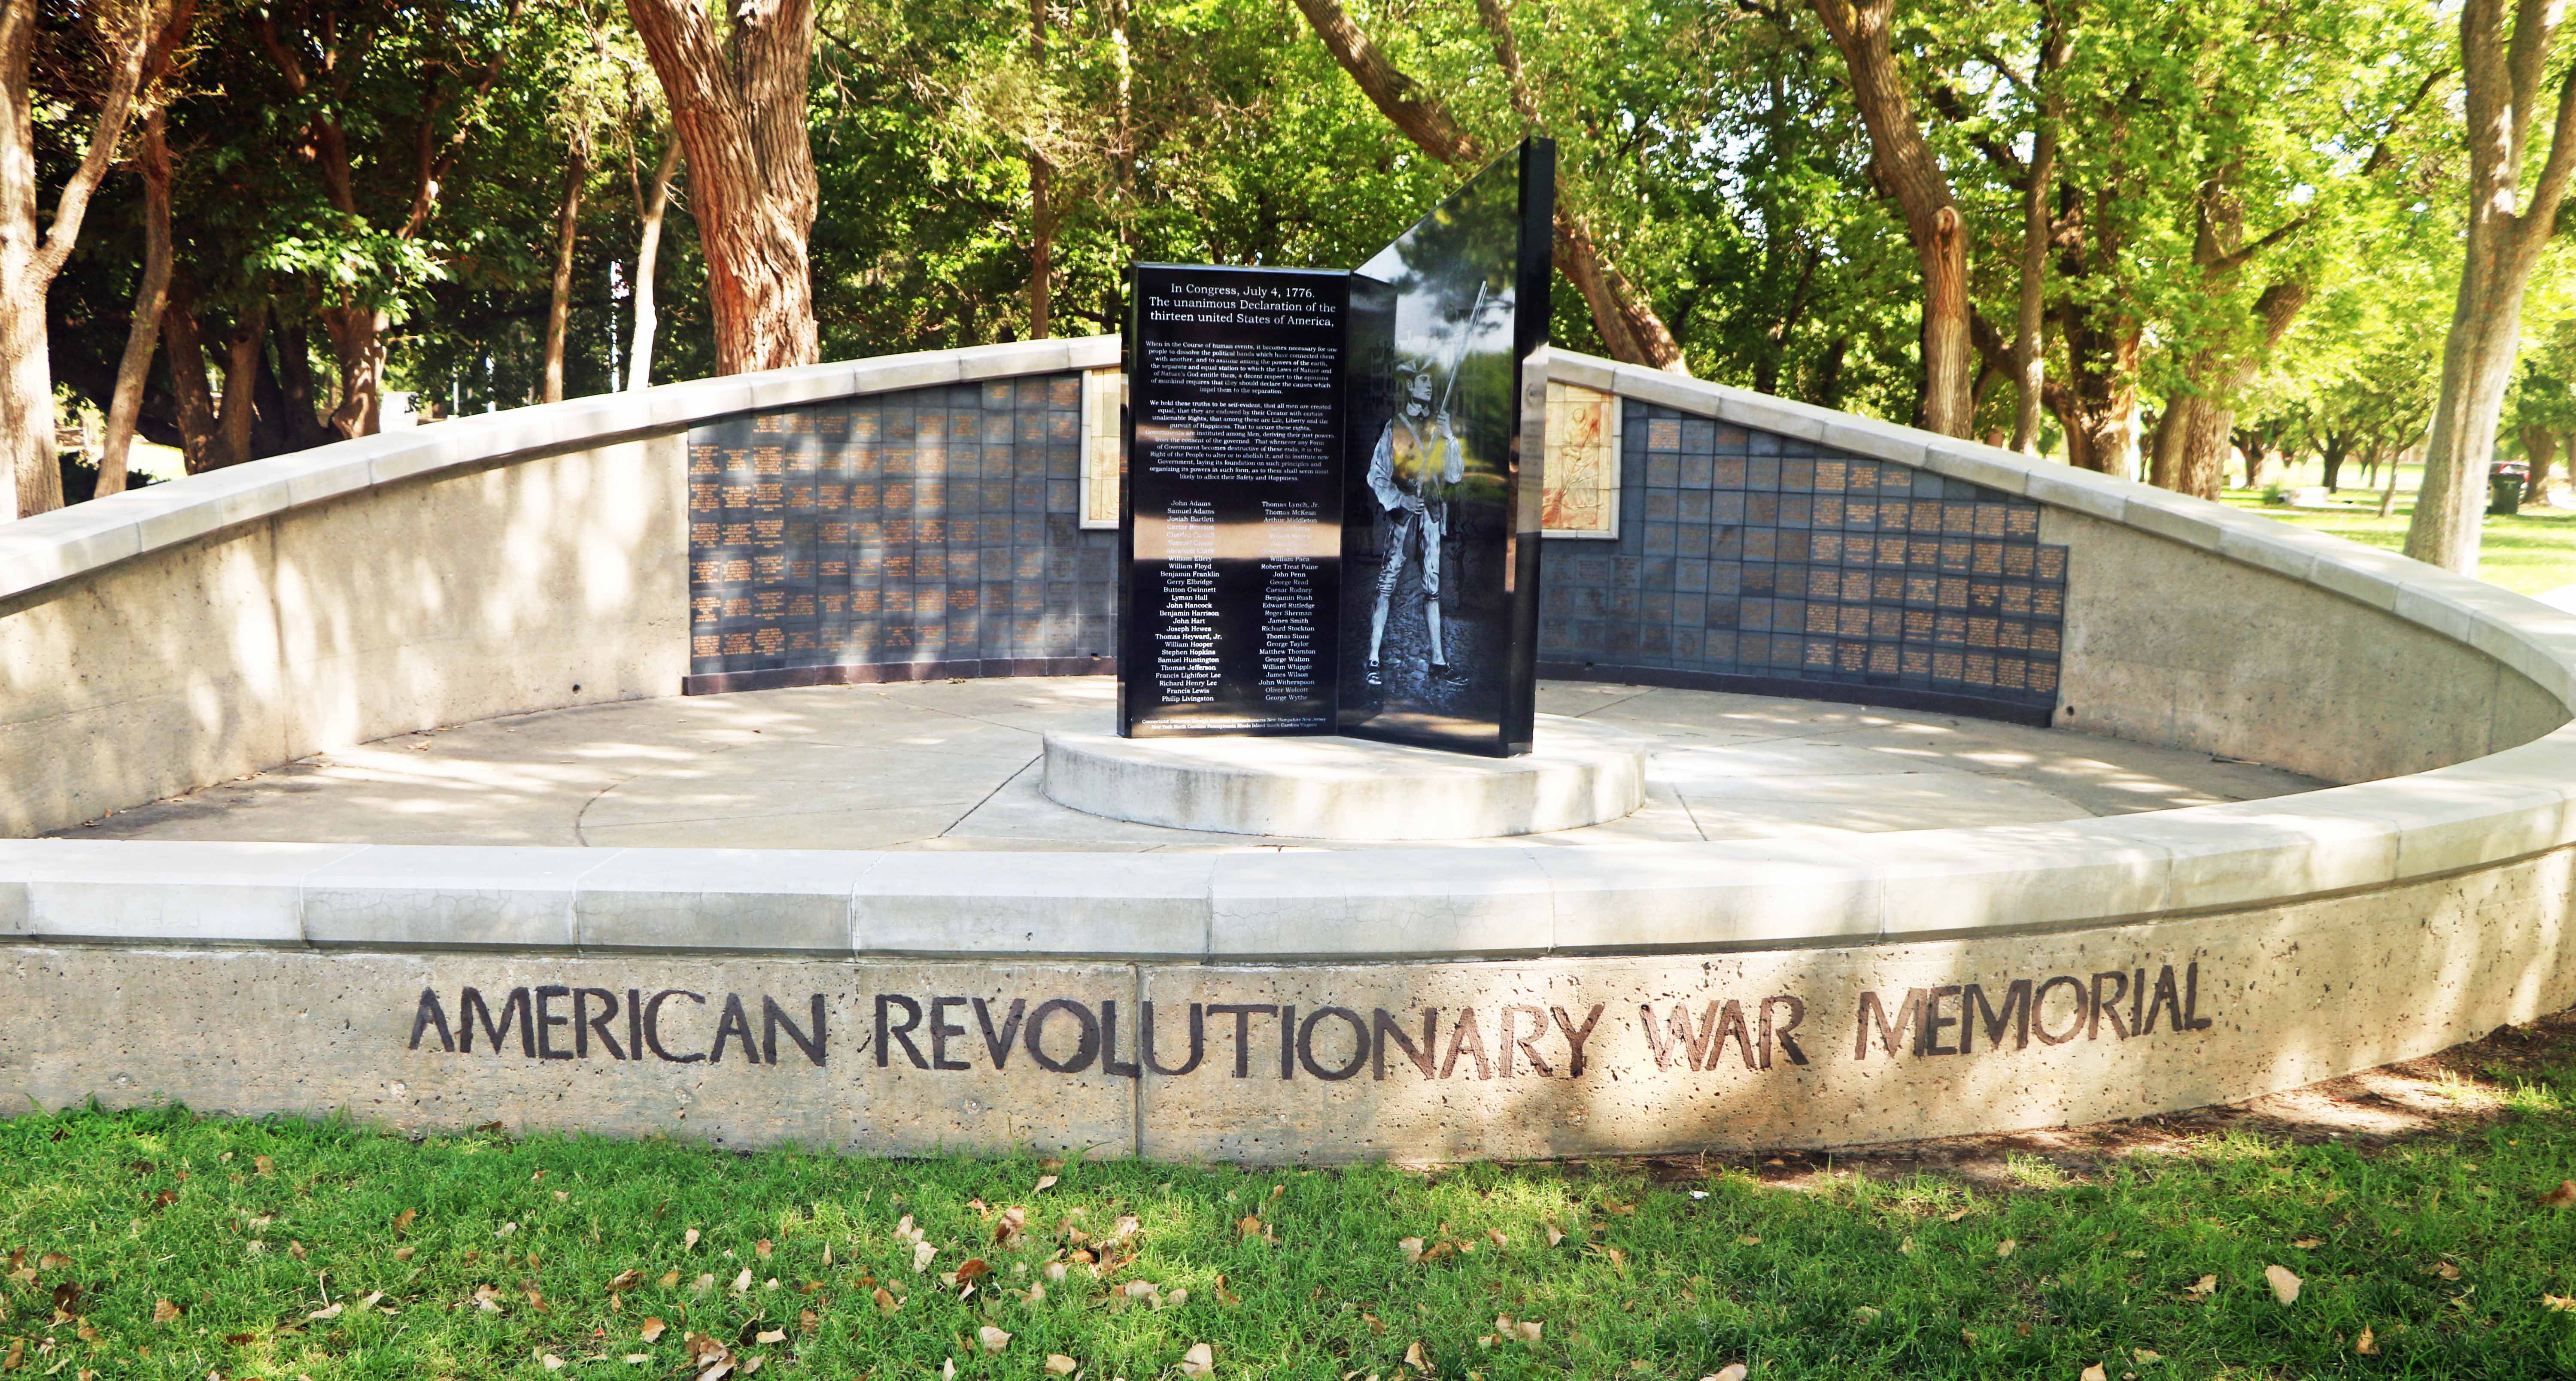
954 765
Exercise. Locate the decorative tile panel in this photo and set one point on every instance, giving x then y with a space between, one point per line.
932 526
1748 554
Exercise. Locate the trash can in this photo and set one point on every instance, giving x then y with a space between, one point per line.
2504 486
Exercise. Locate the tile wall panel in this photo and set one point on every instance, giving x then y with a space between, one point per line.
936 526
1747 554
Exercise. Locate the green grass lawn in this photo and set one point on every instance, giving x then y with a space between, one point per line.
2531 552
158 1245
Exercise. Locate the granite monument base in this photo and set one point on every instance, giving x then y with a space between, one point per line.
1343 788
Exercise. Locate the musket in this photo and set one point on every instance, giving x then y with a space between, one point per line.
1466 334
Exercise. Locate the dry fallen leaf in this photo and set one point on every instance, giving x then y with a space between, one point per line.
1249 1227
770 1335
2305 1243
1530 1330
2005 1247
886 1302
1555 1234
2285 1286
404 1253
263 1164
2445 1270
688 1239
1045 1183
742 1282
1200 1361
552 1362
331 1312
2561 1197
1866 1314
1411 1247
993 1339
1954 1217
163 1311
626 1279
404 1219
1059 1364
2145 1356
652 1330
2205 1286
2095 1373
670 1278
2367 1344
921 1254
1732 1371
1413 1358
2559 1302
1749 1241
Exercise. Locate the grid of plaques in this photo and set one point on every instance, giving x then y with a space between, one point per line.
1748 553
933 525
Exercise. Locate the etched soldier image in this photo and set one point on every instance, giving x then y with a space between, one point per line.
1432 533
1417 465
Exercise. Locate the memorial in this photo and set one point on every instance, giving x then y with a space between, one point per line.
1327 528
1981 794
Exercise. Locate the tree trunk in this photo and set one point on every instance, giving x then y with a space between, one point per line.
2502 75
304 426
2165 445
648 250
2540 447
2030 340
1041 215
2097 406
29 258
2331 457
153 294
184 348
559 303
358 345
241 381
1629 328
740 110
1905 169
2388 493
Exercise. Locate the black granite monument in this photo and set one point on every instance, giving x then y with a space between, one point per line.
1289 428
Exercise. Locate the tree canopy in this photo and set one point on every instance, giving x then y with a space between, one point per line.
2246 225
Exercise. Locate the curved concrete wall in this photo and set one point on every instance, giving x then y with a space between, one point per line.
187 633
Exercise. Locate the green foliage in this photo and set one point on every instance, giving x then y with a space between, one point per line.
2209 152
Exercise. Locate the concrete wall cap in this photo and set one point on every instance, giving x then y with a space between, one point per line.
1036 904
463 896
773 899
